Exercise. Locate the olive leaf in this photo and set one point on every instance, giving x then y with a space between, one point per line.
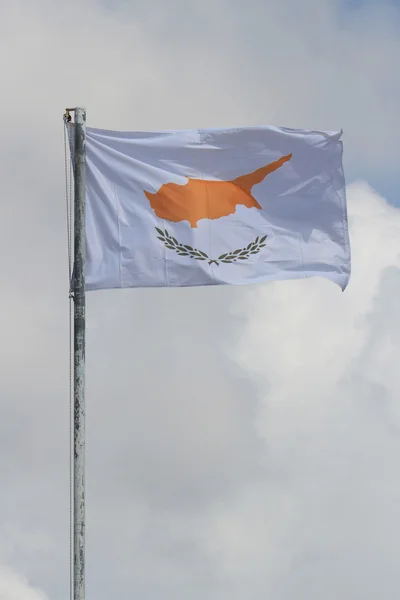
172 243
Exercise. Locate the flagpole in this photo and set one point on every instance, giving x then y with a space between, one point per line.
79 352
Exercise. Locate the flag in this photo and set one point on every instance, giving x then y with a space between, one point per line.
214 206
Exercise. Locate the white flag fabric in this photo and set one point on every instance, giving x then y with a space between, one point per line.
217 206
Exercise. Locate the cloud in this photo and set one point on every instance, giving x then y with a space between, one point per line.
273 487
204 64
15 587
241 442
330 417
318 516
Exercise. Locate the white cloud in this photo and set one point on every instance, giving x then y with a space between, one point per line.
271 476
300 493
331 419
16 587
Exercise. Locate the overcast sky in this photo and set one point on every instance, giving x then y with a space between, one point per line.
241 443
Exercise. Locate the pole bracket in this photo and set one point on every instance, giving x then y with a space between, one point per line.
67 114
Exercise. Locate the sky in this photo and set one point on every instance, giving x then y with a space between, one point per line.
241 442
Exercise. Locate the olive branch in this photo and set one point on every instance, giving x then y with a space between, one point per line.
230 257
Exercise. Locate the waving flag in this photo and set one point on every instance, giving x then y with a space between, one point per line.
209 207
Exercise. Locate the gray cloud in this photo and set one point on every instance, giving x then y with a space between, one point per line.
241 442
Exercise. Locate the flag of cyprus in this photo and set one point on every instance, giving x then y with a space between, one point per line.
211 207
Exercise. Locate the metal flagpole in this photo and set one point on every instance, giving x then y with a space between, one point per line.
79 352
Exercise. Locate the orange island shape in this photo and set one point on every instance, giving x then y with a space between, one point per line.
199 199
